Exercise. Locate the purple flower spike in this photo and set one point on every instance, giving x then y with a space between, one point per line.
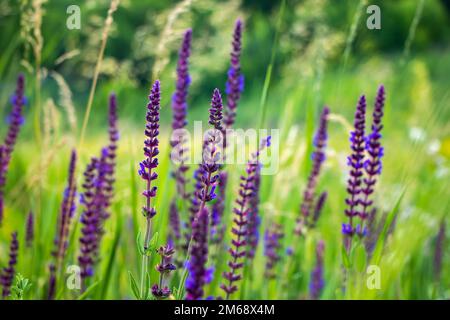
111 151
179 103
15 122
318 157
316 283
356 164
198 257
66 214
235 81
254 220
160 291
7 276
90 219
318 207
373 165
240 224
272 247
174 219
215 112
218 209
151 150
179 109
29 235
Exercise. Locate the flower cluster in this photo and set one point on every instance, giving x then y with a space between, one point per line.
364 170
316 283
7 276
18 100
198 257
235 81
272 247
161 291
318 157
29 230
240 222
151 150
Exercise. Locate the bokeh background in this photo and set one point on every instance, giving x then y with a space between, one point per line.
312 53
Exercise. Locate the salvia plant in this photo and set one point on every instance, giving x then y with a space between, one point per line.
201 229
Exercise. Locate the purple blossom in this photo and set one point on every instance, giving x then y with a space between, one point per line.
16 120
161 291
66 214
7 276
240 222
90 219
318 157
174 220
198 257
356 164
218 208
272 247
179 109
254 220
318 207
151 150
67 211
235 81
29 235
316 283
372 165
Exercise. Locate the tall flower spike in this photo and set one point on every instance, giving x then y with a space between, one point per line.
8 273
235 81
316 283
372 165
29 236
356 164
18 100
161 291
111 152
318 207
272 247
240 223
89 219
151 150
198 257
66 212
318 157
218 208
63 226
179 109
254 220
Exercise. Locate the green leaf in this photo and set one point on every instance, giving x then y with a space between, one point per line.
378 252
139 244
360 257
153 243
134 286
86 293
147 286
345 258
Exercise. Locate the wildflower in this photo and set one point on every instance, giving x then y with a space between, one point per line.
272 246
29 235
16 120
240 222
198 257
63 227
179 109
439 251
160 291
318 157
151 152
356 163
8 273
372 164
316 283
235 81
